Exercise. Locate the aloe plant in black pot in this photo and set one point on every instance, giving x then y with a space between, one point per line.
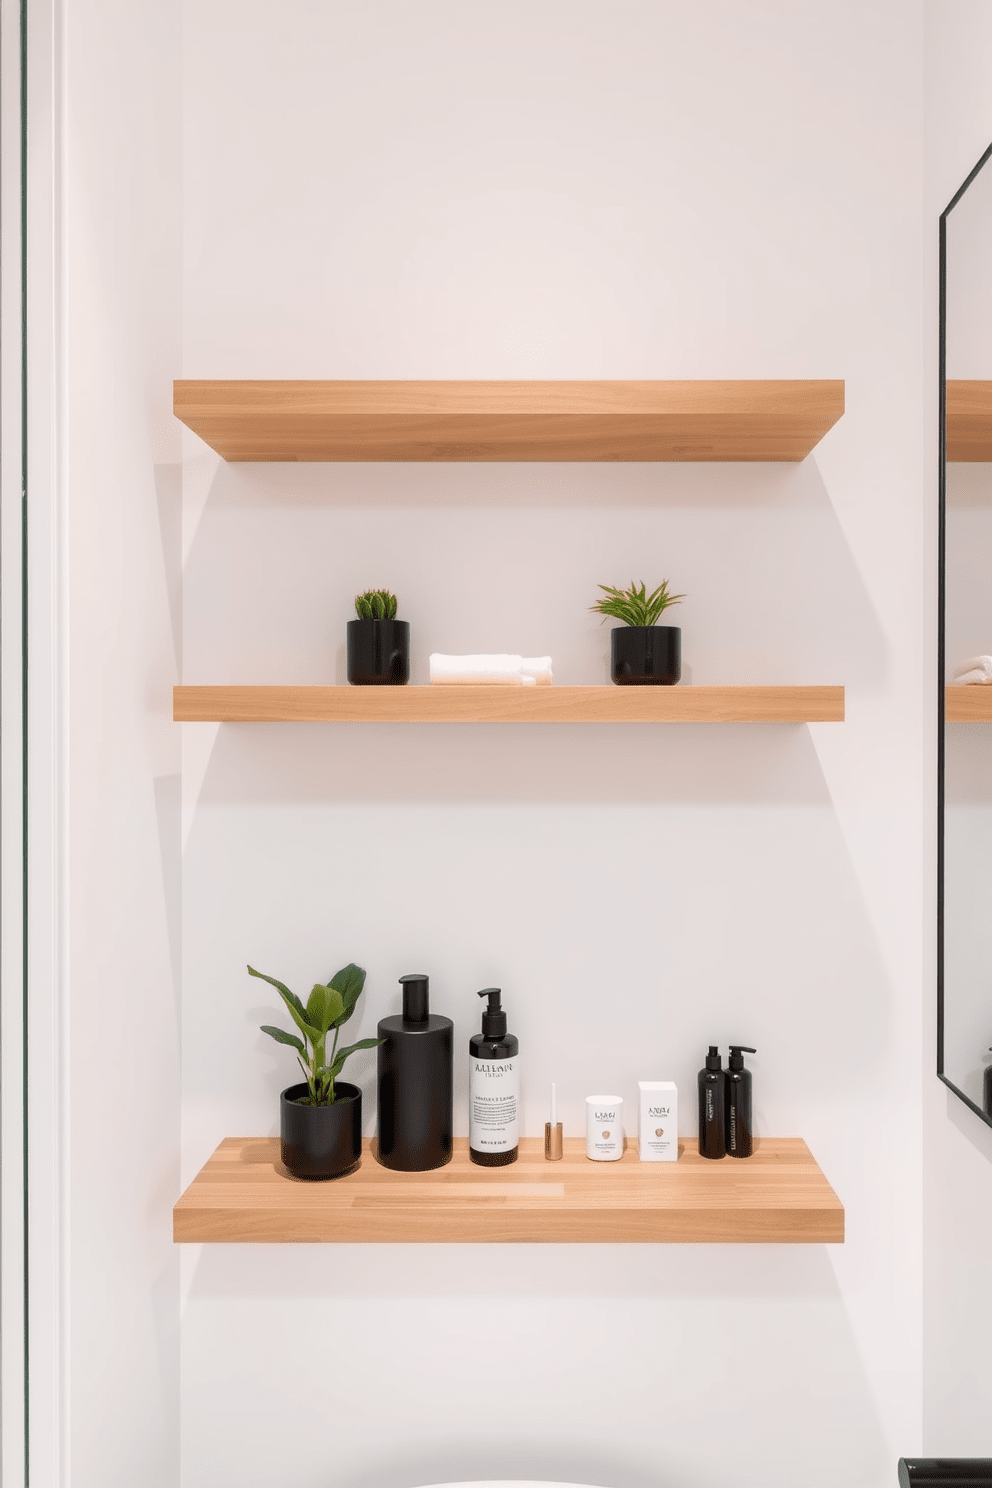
320 1119
378 643
641 651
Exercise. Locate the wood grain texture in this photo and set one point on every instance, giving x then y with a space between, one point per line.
969 421
491 421
968 704
244 1195
479 704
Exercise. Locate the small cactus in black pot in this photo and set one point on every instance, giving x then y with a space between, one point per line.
378 643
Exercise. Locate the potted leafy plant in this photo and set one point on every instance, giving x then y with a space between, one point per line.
320 1119
378 643
641 651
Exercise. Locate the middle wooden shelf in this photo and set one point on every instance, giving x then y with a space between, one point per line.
481 704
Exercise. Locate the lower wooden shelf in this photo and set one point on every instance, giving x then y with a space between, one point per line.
779 1195
478 704
968 704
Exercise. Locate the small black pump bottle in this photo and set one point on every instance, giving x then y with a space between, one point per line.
987 1085
416 1085
712 1134
740 1126
493 1089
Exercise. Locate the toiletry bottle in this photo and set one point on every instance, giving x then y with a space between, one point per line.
740 1127
712 1136
493 1088
416 1084
987 1083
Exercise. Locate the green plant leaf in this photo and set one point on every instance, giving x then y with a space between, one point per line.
342 1054
349 981
281 1037
297 1011
325 1006
391 607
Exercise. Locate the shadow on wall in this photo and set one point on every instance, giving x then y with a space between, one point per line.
512 1368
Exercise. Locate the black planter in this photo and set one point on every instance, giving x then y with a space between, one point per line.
321 1141
641 655
379 652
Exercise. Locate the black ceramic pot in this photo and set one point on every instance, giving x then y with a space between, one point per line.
645 654
379 652
321 1141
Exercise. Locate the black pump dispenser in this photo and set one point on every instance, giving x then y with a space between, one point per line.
740 1125
712 1136
416 1083
493 1017
493 1088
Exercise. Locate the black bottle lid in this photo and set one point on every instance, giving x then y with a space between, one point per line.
713 1061
416 997
493 1017
737 1052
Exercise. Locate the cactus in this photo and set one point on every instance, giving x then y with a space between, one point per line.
376 604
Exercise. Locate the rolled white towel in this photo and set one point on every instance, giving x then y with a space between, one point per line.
977 670
500 669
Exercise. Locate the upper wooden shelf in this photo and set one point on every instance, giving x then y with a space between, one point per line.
743 420
969 421
968 704
479 704
244 1194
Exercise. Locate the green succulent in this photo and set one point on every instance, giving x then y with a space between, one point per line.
376 604
328 1006
634 606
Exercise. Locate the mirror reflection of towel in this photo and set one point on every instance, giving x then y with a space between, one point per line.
977 670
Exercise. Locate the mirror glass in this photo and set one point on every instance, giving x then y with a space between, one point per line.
965 646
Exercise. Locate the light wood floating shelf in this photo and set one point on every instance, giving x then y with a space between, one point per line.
969 421
479 704
243 1194
968 704
486 421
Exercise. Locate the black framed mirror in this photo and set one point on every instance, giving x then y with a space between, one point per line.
964 646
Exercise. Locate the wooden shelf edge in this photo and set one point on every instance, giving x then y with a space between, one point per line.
242 1195
606 704
969 421
644 421
967 704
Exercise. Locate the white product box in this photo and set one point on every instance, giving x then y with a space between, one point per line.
658 1121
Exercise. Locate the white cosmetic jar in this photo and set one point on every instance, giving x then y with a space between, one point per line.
604 1127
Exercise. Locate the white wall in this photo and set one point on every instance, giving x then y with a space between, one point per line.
118 191
957 1146
565 190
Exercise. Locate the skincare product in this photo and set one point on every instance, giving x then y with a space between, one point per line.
658 1121
493 1088
740 1127
416 1084
987 1087
712 1135
553 1144
604 1127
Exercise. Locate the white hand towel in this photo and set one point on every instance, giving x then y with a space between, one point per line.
500 669
978 670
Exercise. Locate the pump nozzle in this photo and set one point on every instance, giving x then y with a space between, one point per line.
493 1018
737 1052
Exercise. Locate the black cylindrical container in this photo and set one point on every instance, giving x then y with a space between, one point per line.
321 1141
378 652
416 1085
987 1085
945 1472
645 654
712 1134
737 1103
